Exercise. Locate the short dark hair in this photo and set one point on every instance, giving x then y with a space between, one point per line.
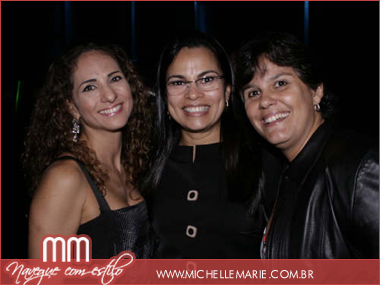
283 49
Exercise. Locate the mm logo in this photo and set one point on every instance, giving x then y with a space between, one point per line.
65 248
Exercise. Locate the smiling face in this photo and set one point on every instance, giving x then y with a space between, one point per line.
280 107
197 111
101 94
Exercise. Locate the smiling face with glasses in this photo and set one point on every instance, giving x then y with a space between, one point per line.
196 95
177 85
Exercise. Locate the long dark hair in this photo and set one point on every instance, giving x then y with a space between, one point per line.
169 131
50 131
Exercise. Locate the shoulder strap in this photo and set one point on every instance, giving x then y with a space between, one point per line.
99 196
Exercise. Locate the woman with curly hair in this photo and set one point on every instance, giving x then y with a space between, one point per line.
87 152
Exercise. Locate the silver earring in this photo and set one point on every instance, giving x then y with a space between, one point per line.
76 129
317 107
227 103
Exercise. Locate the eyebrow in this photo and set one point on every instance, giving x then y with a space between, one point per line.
199 75
274 77
246 87
87 81
94 80
279 75
112 73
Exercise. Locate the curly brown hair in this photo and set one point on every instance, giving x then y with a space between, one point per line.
50 132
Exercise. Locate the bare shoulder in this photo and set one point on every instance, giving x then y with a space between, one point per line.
61 194
58 203
63 177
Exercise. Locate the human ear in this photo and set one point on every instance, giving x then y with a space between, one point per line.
227 93
72 109
318 94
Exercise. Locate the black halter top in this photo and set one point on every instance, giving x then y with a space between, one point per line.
114 231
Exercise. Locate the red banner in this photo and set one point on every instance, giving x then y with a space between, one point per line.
125 270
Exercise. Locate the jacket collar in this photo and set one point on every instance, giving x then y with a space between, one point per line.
298 169
202 153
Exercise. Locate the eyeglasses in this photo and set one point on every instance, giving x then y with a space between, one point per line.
207 83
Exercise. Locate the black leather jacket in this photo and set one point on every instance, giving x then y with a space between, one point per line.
327 200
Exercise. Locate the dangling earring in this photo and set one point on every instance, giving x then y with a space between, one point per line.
227 103
167 113
317 107
76 129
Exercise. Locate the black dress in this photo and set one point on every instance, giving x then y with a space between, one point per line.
192 214
114 231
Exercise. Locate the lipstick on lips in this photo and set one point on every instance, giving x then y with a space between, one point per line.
112 111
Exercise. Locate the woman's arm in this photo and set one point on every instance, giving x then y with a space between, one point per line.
57 205
365 210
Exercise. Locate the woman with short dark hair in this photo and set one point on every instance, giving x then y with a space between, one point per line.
327 195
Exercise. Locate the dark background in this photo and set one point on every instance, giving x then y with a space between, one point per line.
346 34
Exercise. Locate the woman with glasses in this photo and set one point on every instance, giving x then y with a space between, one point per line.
200 180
